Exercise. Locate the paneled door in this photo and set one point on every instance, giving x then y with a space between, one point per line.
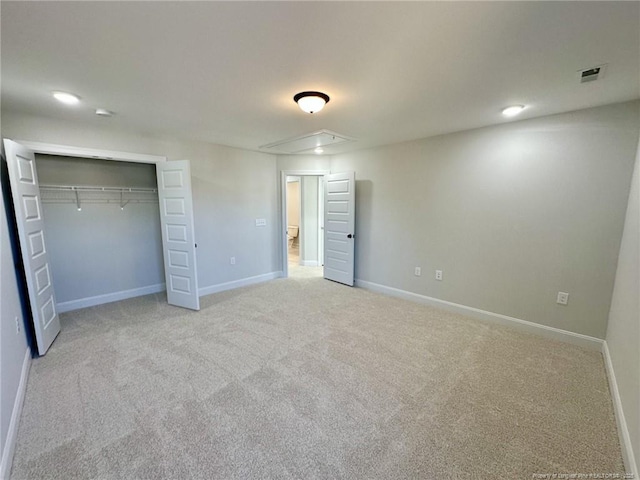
339 226
178 237
25 191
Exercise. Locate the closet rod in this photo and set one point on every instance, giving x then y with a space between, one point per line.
72 201
76 188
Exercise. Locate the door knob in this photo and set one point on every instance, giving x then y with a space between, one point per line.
349 236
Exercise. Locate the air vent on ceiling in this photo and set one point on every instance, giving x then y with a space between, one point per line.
591 74
307 143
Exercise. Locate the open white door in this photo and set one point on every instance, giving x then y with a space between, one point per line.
25 191
178 238
339 226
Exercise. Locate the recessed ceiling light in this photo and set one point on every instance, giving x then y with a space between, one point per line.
103 112
513 110
66 98
311 102
318 150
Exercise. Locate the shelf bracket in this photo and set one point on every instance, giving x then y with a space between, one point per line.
122 202
77 199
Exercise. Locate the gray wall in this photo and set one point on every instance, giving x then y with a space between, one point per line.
231 188
303 162
512 214
101 249
623 331
13 344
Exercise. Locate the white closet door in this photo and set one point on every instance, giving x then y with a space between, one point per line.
339 226
178 238
28 207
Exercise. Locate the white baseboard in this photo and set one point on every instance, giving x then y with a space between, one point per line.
623 431
109 297
309 263
243 282
12 433
524 325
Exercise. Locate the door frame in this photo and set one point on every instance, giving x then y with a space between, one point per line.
283 209
286 206
321 221
97 153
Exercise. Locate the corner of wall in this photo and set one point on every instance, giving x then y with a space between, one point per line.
12 433
624 437
622 345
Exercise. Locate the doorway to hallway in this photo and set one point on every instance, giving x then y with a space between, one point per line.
304 216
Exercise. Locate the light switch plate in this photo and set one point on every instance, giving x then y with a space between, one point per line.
261 222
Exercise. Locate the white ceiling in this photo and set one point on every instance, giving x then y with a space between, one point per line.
226 72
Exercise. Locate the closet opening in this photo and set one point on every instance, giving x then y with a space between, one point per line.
102 225
175 206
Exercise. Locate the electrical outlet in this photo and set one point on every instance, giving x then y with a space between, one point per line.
563 298
232 260
17 326
438 274
417 272
261 222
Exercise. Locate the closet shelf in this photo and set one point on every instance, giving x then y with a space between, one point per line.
78 194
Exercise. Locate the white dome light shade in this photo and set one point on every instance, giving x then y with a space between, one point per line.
66 98
513 110
311 102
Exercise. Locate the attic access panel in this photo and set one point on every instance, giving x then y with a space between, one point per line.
307 143
592 74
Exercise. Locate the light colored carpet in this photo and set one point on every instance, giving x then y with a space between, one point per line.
297 271
305 378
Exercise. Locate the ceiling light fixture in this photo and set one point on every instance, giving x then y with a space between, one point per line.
513 110
103 112
66 98
311 102
318 150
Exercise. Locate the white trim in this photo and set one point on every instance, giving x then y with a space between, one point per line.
71 151
301 233
623 431
524 325
243 282
12 432
309 263
109 297
305 173
320 221
283 210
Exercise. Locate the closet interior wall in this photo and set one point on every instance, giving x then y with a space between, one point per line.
105 244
